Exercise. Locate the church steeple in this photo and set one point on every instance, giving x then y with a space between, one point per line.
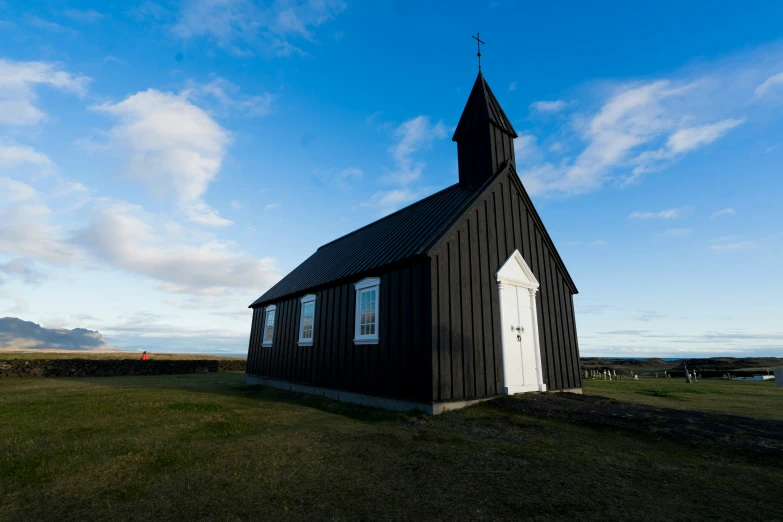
484 136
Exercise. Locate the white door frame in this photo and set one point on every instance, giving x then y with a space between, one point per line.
516 273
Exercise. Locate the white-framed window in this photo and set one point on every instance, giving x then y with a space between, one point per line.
269 325
368 297
307 320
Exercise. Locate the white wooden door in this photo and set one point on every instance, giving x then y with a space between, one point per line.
519 356
512 338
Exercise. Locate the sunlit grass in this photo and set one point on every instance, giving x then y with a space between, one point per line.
758 399
207 447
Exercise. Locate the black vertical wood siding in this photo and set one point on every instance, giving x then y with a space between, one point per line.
397 367
483 151
439 318
467 358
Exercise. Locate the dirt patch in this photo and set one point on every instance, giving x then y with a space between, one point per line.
758 435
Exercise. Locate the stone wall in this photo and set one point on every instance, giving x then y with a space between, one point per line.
111 368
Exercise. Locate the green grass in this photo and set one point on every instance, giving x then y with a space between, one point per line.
758 399
207 447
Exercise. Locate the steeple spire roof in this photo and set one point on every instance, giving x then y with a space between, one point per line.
482 107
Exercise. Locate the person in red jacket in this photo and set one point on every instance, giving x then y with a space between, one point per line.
144 356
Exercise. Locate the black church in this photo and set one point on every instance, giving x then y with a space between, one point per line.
459 297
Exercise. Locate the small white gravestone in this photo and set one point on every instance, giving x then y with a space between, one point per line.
635 377
778 378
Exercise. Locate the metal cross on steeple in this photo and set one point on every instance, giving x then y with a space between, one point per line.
478 44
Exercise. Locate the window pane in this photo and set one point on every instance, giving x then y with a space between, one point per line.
270 324
308 313
366 316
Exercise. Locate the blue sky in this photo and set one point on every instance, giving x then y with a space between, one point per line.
162 164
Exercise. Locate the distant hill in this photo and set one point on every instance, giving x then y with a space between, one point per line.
16 334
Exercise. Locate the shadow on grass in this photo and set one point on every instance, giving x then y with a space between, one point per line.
231 384
658 393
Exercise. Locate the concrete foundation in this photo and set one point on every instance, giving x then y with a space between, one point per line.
578 391
435 408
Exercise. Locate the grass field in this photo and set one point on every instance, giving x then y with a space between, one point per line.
38 355
757 399
207 447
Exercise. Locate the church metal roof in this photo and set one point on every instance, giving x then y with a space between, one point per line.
398 236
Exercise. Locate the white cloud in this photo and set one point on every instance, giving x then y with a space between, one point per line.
677 232
773 82
512 87
20 305
373 117
391 200
736 245
691 138
272 206
16 191
24 269
171 145
723 212
525 146
641 126
670 213
229 98
680 142
413 135
548 106
48 25
25 229
352 172
244 27
122 236
348 175
236 204
18 83
87 16
13 155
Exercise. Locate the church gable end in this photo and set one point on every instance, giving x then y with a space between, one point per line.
467 355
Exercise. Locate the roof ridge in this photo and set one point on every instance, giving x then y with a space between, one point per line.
477 192
387 216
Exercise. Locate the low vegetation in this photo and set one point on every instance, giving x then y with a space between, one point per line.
207 447
757 399
713 366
